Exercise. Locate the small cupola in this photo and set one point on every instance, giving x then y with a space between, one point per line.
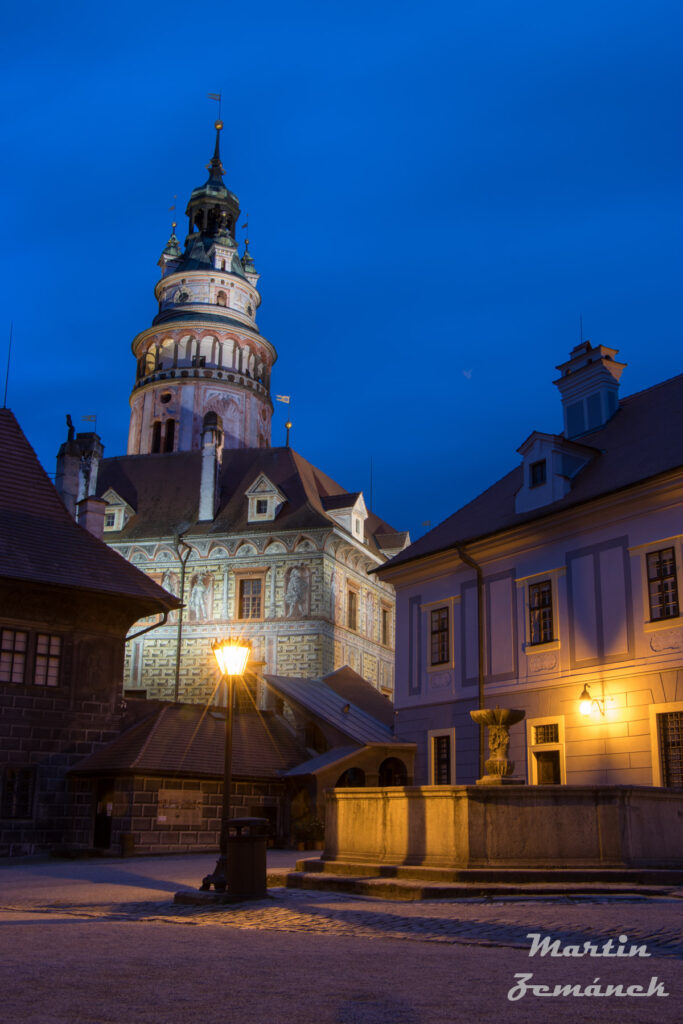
589 387
213 210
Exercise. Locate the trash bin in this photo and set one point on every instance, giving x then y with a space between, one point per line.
246 869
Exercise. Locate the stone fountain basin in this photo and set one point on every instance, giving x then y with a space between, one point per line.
498 716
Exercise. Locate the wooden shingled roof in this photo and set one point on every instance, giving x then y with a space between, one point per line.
188 740
40 542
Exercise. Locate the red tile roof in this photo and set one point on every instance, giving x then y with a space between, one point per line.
41 543
644 439
189 740
164 492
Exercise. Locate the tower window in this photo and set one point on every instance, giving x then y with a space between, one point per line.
222 299
156 437
170 436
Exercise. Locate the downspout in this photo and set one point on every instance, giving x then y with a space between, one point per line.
480 641
155 625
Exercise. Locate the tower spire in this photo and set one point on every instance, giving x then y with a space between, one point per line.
215 167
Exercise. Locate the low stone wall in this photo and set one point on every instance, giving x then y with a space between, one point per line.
507 826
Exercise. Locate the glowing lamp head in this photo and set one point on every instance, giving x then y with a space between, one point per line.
585 702
232 656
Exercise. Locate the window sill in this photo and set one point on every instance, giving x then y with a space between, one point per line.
674 622
549 645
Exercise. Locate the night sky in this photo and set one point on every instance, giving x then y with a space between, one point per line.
436 194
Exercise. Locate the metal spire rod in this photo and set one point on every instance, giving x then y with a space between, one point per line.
9 356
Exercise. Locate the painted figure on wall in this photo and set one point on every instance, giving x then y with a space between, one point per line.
201 598
297 592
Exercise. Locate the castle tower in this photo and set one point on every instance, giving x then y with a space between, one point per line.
203 353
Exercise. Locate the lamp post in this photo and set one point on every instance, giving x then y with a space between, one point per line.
232 656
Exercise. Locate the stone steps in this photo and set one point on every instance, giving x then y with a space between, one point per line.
407 882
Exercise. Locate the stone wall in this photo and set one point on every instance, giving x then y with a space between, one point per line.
42 735
136 810
506 826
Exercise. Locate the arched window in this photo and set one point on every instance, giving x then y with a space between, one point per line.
169 437
156 437
222 299
352 777
392 772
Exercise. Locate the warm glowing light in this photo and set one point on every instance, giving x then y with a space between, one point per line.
585 702
232 656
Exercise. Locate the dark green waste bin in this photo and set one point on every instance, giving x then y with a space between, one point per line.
247 839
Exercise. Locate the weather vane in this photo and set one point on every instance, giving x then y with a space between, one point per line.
217 97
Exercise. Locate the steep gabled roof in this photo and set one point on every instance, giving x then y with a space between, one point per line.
189 740
354 688
41 543
321 700
164 491
644 439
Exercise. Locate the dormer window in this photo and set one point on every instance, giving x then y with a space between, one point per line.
117 513
537 473
265 500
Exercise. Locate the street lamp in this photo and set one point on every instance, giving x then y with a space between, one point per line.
232 656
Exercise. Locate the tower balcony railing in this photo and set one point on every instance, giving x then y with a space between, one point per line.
182 373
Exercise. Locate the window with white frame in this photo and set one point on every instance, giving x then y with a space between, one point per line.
546 751
541 612
439 636
662 584
666 736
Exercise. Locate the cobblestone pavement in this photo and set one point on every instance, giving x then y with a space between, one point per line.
482 921
105 944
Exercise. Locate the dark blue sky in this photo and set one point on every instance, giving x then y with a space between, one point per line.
435 193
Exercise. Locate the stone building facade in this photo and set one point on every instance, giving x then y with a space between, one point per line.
254 540
66 605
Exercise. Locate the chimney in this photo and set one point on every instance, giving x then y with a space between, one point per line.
91 515
211 443
78 461
589 387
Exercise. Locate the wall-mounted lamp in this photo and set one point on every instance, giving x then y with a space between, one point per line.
587 703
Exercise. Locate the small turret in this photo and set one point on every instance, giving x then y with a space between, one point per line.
589 386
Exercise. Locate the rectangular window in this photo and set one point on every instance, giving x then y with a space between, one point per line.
250 598
540 612
662 584
670 729
442 760
352 610
537 474
109 520
261 506
16 798
385 626
546 733
48 653
439 640
13 655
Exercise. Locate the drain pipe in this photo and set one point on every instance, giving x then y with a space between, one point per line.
480 641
